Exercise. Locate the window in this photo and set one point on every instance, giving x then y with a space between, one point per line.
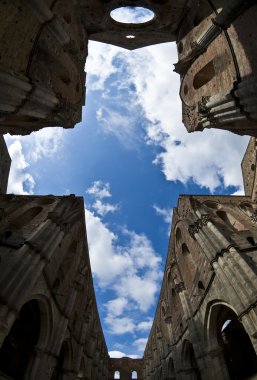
205 75
134 375
116 375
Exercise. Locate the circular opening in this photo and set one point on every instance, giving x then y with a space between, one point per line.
132 15
130 36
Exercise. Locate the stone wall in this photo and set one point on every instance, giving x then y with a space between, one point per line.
49 323
125 367
210 278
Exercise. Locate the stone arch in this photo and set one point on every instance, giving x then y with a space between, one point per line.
18 349
230 220
204 75
171 369
189 362
225 331
134 375
63 362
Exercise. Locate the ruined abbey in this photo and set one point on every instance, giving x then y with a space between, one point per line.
205 327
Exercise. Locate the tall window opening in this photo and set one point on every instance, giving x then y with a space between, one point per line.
17 348
239 353
134 375
117 375
205 75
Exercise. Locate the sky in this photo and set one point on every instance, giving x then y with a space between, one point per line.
129 158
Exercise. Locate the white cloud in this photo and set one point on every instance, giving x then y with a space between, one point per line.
120 124
20 180
145 325
103 209
117 306
107 263
140 344
29 149
45 143
131 269
166 213
119 354
210 158
99 190
119 325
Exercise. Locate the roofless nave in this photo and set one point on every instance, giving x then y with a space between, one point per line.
205 325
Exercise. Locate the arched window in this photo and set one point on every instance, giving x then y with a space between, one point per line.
229 333
185 250
178 236
63 356
17 348
230 220
134 375
205 75
117 375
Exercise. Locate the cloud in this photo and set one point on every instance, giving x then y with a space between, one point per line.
103 209
166 213
100 190
20 180
210 158
132 269
119 354
140 344
145 325
117 306
122 124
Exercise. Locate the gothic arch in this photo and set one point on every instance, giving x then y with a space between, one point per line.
188 360
18 349
225 331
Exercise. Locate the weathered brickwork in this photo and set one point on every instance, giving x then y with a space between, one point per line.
125 367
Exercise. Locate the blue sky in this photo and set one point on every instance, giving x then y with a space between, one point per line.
130 158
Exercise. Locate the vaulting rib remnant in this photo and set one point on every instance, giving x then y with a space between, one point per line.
49 323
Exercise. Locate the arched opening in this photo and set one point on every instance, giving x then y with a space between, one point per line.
178 236
134 375
171 369
230 220
200 286
18 347
189 361
230 334
61 361
185 250
117 375
205 75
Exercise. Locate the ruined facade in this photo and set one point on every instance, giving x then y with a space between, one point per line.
49 323
124 368
205 325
